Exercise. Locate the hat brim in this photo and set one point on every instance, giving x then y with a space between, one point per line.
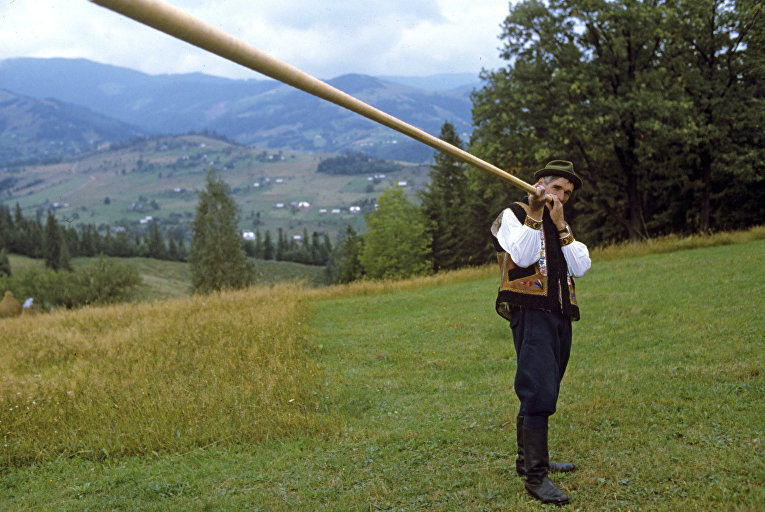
570 176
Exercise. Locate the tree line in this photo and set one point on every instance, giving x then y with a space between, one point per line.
352 162
57 243
660 105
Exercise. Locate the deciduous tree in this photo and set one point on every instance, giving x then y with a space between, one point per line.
396 243
653 101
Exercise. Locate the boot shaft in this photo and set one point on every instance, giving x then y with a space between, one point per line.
535 454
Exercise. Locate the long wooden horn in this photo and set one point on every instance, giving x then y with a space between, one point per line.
179 24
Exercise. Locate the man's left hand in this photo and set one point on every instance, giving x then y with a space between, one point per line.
556 213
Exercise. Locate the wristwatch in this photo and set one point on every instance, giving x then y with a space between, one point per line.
566 230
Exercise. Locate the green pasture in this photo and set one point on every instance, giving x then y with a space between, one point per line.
115 174
661 407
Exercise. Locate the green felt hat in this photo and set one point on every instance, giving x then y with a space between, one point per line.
562 168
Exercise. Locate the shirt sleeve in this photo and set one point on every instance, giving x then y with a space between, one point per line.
522 243
577 257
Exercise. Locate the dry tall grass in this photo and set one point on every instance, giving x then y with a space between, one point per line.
672 243
132 379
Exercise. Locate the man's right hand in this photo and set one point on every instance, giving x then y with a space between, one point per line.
537 202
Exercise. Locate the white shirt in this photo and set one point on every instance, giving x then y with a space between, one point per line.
524 245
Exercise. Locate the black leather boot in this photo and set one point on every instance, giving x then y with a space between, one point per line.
555 467
536 462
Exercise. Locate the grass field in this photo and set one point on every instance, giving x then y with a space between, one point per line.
171 279
392 396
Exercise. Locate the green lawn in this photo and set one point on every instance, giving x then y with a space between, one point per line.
661 408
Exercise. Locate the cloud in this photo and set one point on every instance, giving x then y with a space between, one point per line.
325 39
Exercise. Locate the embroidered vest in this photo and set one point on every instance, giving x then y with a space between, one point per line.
545 285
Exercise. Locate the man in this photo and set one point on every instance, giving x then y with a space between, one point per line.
539 256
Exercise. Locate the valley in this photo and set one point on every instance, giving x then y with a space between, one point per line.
128 185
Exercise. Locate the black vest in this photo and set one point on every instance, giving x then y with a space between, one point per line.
545 285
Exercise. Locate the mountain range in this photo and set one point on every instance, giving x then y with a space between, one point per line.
53 107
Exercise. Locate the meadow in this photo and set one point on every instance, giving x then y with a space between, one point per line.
394 395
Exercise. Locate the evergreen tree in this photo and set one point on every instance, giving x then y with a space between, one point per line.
172 250
444 204
55 250
281 245
107 242
156 244
268 247
6 227
258 245
182 252
325 249
217 258
72 240
343 265
89 241
5 263
396 243
306 255
123 245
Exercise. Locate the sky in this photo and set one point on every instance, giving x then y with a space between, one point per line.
324 38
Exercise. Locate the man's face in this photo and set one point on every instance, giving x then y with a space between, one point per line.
559 187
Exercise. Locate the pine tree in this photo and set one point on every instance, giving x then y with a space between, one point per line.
217 258
444 204
281 245
183 254
55 251
5 264
89 241
258 245
268 247
344 265
156 243
172 250
6 227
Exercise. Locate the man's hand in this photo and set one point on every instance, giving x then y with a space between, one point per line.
537 202
556 213
540 200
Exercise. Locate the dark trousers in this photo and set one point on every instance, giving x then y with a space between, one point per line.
542 347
